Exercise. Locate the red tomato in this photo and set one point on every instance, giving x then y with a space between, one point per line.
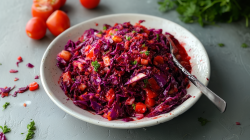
140 108
150 102
41 10
82 87
65 55
150 93
58 22
63 2
144 61
153 84
36 28
110 94
56 4
90 4
33 86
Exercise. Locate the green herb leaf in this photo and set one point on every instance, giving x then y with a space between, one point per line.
134 62
145 81
111 34
128 38
133 31
31 126
157 37
22 133
0 63
244 45
5 129
100 32
143 45
166 5
96 65
133 105
146 53
203 121
221 44
73 79
104 28
5 105
116 29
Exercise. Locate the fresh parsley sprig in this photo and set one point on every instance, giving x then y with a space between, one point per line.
96 65
5 129
5 105
31 127
146 53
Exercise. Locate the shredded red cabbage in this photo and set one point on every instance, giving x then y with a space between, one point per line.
2 136
20 90
5 91
123 71
30 65
13 71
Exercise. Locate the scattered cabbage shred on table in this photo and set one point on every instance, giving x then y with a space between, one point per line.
123 71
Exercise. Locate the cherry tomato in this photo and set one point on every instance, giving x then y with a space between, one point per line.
150 102
56 4
90 4
41 10
110 94
58 22
65 55
33 86
36 28
140 108
150 93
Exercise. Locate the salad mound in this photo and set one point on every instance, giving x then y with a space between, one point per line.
124 71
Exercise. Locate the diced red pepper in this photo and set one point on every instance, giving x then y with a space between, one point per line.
140 108
65 55
127 43
33 86
109 117
90 54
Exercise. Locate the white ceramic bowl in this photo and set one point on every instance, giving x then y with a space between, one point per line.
50 73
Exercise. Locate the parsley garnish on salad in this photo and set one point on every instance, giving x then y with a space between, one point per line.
143 45
133 105
128 38
116 29
31 127
5 105
146 53
5 129
157 37
0 63
96 65
203 121
133 31
104 28
134 62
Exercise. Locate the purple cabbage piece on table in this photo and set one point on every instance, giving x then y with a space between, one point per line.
20 90
2 136
30 65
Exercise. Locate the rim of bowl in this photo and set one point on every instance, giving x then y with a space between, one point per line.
112 124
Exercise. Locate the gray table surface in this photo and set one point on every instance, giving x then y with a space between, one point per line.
230 78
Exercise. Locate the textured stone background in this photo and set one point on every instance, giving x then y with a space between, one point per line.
230 78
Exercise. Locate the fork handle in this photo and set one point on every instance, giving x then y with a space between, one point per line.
219 103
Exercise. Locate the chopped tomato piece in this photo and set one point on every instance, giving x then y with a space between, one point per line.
4 94
150 93
150 102
158 60
106 61
82 87
140 108
33 86
109 117
138 59
66 77
110 95
65 55
90 54
24 104
153 84
117 39
144 61
87 48
99 35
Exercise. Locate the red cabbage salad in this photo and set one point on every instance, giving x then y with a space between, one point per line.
124 71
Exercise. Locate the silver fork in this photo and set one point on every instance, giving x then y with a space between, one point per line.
218 102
